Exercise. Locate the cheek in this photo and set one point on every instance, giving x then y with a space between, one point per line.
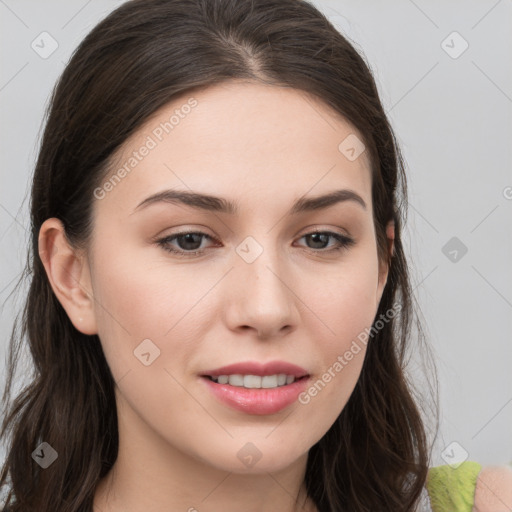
345 300
144 291
143 309
346 306
136 301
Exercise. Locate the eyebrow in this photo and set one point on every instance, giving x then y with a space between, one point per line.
222 205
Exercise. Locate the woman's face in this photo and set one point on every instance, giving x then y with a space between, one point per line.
253 287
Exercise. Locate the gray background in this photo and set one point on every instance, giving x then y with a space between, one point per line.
452 116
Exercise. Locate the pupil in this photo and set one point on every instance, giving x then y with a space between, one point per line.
188 238
316 236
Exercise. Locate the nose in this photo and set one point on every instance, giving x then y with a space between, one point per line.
261 296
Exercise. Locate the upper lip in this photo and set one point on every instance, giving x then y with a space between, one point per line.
261 369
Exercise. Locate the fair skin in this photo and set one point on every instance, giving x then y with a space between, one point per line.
264 148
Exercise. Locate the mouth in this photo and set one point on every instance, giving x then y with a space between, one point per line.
255 388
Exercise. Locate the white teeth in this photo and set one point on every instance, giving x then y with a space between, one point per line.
255 381
269 381
252 381
236 380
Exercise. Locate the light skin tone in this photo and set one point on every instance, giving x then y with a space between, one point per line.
300 301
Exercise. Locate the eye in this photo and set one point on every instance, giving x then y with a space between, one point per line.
320 238
189 242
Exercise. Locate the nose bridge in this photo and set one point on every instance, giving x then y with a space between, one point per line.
263 297
260 265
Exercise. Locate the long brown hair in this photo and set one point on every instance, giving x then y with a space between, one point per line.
139 58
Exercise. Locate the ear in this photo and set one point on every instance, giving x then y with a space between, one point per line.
68 274
384 267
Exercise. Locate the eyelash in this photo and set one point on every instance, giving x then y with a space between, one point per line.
345 242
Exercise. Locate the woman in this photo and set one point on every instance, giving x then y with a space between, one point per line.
219 308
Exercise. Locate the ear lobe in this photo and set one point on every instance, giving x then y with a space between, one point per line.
68 274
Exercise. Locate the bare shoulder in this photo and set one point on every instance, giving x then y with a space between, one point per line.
493 489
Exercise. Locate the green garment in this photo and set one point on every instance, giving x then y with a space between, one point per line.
451 488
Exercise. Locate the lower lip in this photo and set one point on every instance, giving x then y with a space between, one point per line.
257 401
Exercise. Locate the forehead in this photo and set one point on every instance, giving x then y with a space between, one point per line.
250 141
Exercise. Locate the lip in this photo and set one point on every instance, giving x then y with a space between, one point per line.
260 369
257 401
